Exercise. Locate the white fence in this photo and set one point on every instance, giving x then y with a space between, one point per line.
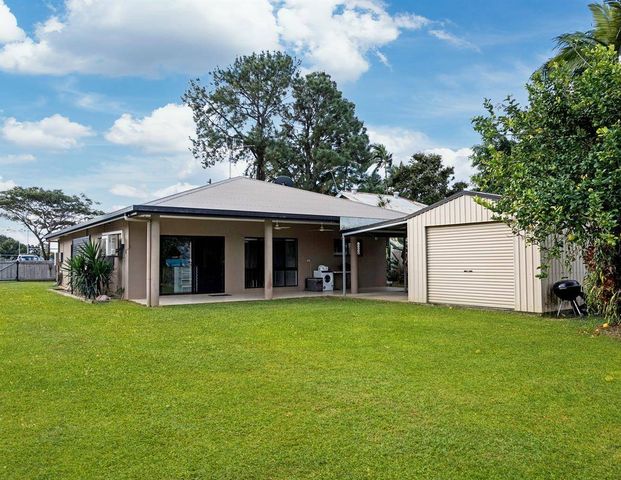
26 271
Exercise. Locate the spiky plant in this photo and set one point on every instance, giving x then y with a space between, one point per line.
89 271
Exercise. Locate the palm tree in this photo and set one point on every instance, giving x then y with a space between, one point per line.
381 158
606 31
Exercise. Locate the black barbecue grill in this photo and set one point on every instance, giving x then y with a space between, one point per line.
570 291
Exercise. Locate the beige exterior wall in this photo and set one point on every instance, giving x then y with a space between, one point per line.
64 249
532 294
314 248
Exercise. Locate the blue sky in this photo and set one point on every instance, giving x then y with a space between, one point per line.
90 89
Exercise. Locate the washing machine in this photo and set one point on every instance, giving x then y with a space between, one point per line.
327 277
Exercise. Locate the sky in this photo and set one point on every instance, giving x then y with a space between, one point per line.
90 90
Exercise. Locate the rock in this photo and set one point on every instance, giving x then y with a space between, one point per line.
102 298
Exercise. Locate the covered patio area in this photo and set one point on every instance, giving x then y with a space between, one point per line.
258 294
388 294
391 229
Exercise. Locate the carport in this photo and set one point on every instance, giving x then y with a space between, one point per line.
351 238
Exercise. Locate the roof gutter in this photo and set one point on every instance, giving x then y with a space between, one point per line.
131 214
210 212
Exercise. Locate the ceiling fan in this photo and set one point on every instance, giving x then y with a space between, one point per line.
277 226
322 228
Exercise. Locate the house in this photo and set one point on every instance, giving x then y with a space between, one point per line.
392 202
246 238
458 254
235 237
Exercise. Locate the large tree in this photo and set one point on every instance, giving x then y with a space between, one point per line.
237 114
45 211
573 47
10 246
323 146
557 164
424 179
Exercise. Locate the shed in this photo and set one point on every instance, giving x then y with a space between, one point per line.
458 254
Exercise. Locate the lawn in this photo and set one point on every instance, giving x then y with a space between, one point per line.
313 388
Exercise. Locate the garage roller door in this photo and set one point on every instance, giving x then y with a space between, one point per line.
471 265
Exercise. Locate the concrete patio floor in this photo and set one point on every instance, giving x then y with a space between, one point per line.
390 294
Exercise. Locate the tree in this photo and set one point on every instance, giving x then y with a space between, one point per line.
381 158
323 146
573 48
424 179
10 246
560 178
236 117
45 211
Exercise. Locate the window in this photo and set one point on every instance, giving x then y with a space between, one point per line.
77 243
285 262
338 251
254 265
110 243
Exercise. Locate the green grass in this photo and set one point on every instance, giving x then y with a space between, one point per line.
315 388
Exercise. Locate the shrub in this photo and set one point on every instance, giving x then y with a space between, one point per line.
89 271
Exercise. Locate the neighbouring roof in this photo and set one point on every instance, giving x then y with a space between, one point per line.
401 222
391 202
242 197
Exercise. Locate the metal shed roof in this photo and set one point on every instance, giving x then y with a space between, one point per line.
391 202
398 225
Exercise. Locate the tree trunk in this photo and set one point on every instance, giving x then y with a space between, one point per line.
44 253
604 282
260 165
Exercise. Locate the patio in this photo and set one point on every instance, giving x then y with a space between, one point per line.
390 294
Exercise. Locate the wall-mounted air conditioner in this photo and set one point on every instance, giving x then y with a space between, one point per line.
110 244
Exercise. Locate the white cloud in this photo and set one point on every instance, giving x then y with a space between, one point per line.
117 37
12 159
6 184
459 159
142 37
167 129
403 143
55 132
165 133
337 36
9 31
172 189
452 39
124 190
129 191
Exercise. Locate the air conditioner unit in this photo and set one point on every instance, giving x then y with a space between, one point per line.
110 244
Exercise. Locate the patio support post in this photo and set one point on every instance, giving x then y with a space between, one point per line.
353 260
148 264
268 260
153 261
404 259
344 262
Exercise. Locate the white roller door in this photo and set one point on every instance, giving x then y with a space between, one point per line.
471 265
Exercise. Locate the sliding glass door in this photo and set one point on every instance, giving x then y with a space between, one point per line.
175 265
191 264
285 263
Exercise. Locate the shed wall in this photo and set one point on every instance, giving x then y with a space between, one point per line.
464 210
